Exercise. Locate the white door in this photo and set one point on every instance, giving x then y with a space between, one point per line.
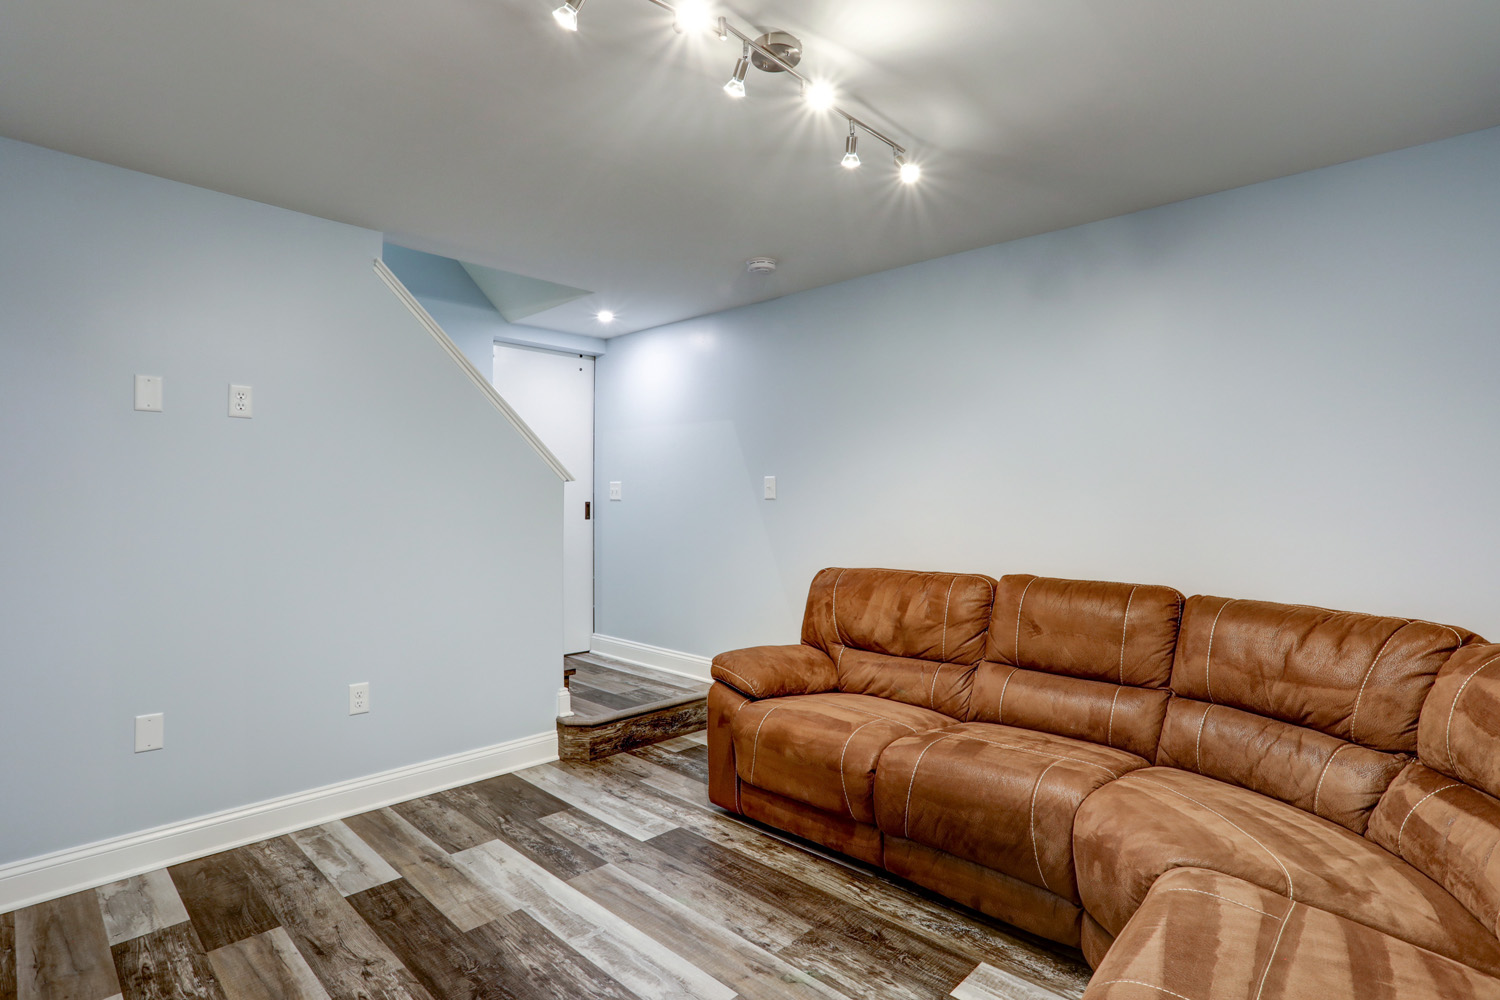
554 394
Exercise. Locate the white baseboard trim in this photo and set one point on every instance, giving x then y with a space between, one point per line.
642 655
52 875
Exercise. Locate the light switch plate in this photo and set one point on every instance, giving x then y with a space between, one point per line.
150 732
148 393
241 401
614 491
770 487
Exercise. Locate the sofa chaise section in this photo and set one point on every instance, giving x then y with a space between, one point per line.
1286 727
1203 935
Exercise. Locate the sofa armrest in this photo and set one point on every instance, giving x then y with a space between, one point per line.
775 671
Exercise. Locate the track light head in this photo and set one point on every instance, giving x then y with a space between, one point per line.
692 17
910 173
819 95
566 16
736 85
851 150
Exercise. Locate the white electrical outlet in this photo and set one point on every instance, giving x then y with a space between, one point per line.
770 487
150 732
614 491
241 401
359 698
148 389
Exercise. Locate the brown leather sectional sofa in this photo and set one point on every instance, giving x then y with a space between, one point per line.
1212 798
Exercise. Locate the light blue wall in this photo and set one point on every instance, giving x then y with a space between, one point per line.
1284 391
473 323
376 521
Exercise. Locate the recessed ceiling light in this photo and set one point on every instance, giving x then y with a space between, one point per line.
606 315
819 96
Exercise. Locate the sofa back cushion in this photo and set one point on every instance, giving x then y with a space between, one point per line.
1459 732
1442 814
908 636
1079 658
1313 707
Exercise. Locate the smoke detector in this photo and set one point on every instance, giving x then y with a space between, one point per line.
761 265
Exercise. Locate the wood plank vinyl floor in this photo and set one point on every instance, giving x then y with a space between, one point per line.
614 880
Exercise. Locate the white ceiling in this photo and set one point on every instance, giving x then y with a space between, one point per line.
611 160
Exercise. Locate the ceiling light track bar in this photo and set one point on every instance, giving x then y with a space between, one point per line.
726 30
766 53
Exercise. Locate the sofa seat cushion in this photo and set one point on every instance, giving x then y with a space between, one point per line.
1205 936
1132 831
821 749
996 795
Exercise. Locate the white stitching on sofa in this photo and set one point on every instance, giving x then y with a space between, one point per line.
906 810
1109 737
1326 765
843 786
1354 717
837 664
1401 831
1198 743
1271 958
1208 658
1149 986
943 653
834 607
1448 730
1124 630
751 688
1290 893
755 746
1031 823
1446 628
1000 709
932 692
1233 902
1019 605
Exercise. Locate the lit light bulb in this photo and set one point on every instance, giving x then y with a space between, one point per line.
819 96
606 316
910 172
692 16
566 16
736 85
851 150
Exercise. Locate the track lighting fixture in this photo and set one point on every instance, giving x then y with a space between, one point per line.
770 52
736 85
851 150
910 173
567 15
